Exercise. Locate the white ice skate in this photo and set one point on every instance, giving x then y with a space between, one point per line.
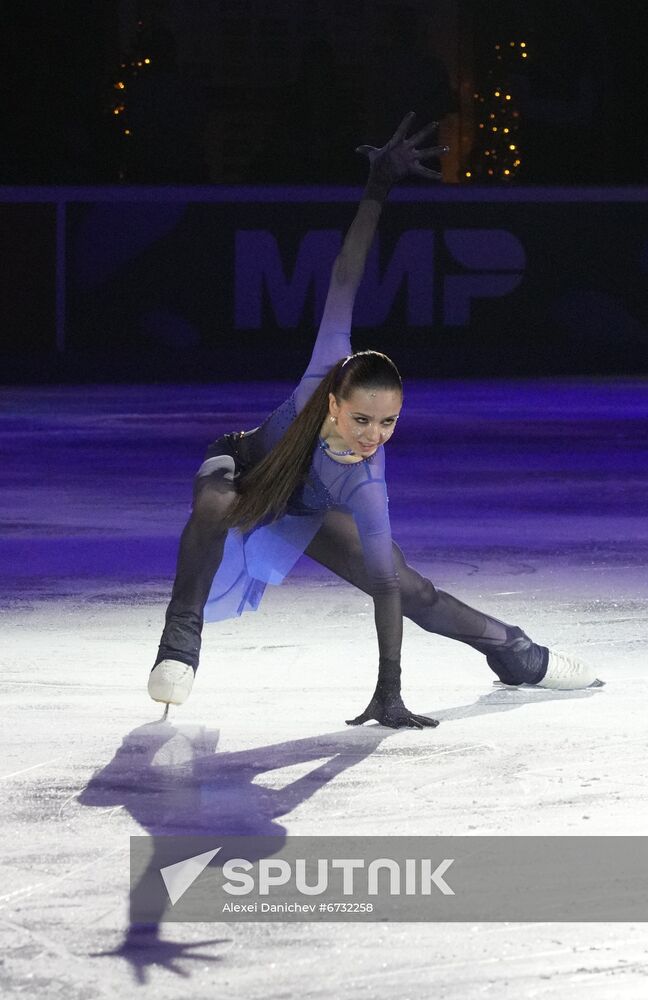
170 682
566 673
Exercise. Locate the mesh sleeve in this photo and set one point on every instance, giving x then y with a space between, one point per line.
333 337
368 503
333 340
330 346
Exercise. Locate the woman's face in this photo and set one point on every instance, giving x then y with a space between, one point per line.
366 419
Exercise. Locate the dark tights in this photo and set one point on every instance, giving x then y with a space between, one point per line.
509 652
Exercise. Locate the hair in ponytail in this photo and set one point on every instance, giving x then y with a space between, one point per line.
264 491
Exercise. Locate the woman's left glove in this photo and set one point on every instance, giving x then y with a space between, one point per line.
391 711
386 705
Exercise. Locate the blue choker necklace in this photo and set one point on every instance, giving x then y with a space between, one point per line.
325 446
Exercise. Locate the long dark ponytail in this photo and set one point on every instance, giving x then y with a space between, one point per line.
264 491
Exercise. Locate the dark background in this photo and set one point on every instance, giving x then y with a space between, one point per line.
247 92
242 91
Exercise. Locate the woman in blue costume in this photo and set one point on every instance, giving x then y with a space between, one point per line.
311 479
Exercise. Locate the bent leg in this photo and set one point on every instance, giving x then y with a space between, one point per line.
200 553
509 651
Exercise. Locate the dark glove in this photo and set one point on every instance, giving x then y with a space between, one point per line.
393 713
400 158
386 705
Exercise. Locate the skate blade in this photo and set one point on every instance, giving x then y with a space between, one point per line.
501 686
536 687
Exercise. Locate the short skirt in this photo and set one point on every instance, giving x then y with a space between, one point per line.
256 558
228 454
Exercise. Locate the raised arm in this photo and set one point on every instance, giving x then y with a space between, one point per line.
399 158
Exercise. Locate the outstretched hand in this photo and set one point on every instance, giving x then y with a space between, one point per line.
401 157
391 711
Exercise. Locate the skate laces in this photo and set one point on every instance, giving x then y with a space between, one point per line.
565 666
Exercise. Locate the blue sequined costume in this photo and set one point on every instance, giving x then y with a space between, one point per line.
268 553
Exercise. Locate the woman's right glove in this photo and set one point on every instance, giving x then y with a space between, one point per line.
400 158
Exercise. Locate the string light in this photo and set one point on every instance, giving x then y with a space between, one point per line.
134 63
494 153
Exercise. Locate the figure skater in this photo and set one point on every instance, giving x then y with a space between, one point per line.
311 479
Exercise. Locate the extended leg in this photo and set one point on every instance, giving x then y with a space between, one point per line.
509 652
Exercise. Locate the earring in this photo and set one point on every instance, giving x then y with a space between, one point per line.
334 419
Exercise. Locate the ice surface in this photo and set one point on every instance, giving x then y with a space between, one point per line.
530 503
